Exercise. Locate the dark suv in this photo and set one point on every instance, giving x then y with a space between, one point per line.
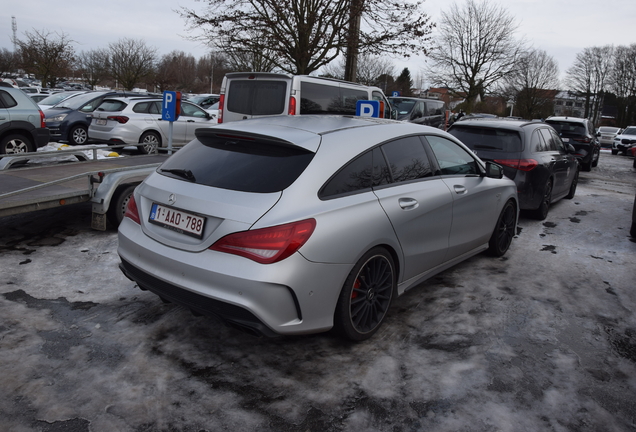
580 133
69 120
22 127
531 153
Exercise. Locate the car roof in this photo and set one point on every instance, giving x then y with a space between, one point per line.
497 123
566 119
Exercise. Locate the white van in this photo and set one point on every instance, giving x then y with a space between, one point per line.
246 95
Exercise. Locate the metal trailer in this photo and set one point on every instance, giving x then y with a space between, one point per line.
107 183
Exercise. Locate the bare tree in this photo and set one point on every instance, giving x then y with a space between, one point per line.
9 61
131 61
210 72
589 75
529 84
48 55
95 65
622 82
475 49
301 36
176 71
370 69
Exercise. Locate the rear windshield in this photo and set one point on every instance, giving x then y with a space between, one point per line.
496 140
568 128
246 163
112 105
329 99
257 97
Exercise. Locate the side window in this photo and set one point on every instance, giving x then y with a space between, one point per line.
188 110
141 107
90 106
407 159
451 158
550 139
537 143
6 100
155 108
367 170
558 142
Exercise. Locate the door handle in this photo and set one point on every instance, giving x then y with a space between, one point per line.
459 189
408 203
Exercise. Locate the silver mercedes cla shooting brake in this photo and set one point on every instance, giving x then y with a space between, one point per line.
300 224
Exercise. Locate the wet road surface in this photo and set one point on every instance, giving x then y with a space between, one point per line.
542 339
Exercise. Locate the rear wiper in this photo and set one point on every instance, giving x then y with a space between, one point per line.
185 173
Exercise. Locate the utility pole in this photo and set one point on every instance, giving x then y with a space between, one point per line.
14 27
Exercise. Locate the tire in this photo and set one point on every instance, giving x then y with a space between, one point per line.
16 143
542 211
587 166
573 186
504 231
151 142
614 152
366 296
118 203
78 135
595 160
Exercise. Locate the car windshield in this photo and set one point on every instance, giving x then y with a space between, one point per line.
403 106
630 131
78 101
491 139
56 98
566 128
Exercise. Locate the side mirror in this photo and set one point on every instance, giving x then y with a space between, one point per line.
571 148
493 170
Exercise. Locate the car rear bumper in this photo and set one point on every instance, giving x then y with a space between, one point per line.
41 136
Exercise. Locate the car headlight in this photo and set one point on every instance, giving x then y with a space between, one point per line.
57 118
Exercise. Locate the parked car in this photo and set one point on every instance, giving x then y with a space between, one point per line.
132 120
429 112
246 95
606 135
624 141
22 127
205 101
300 224
69 120
53 99
580 133
531 153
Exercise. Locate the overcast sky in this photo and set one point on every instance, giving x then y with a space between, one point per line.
560 27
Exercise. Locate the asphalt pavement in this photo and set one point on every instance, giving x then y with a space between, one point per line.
542 339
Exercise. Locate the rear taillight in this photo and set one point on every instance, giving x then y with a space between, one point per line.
132 211
42 122
267 245
585 140
518 164
118 119
292 106
221 106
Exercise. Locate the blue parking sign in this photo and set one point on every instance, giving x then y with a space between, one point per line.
171 105
368 108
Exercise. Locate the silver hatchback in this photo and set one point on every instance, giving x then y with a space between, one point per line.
299 224
132 120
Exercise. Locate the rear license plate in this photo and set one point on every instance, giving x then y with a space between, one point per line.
177 220
101 122
565 140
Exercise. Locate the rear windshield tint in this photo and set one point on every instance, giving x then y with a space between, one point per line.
495 140
568 128
245 163
257 97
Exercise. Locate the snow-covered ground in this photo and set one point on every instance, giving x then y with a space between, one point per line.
543 339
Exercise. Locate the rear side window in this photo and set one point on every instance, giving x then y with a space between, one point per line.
359 175
407 159
142 107
257 97
496 140
327 99
112 105
6 100
246 163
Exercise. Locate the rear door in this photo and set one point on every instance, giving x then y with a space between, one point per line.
255 95
418 204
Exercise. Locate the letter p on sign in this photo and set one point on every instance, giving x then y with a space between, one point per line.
368 108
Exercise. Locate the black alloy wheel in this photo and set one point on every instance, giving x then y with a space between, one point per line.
542 211
505 230
366 296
